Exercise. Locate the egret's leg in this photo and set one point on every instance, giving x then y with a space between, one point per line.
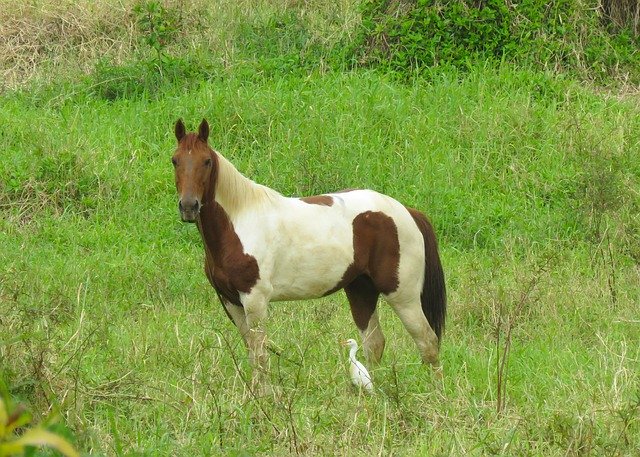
363 298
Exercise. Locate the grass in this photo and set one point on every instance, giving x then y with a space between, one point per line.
106 316
44 42
106 313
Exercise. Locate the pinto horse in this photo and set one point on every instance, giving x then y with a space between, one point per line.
261 246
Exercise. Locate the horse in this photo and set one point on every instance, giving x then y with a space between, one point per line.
261 246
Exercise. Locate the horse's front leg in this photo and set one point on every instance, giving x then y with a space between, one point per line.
236 314
255 311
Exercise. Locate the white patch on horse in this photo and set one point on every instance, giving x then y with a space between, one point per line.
303 250
411 266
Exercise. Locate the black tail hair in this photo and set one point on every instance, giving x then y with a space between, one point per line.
434 292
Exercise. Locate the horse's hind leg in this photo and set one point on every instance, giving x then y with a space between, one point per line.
363 298
412 317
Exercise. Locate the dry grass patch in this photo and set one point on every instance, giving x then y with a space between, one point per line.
46 39
55 34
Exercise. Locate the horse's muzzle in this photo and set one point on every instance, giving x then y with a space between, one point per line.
189 210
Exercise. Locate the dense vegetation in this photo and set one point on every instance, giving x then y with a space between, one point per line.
568 36
522 150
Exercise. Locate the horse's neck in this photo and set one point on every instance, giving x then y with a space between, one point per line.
235 192
213 225
233 195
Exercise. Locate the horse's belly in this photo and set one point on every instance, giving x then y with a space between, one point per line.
311 275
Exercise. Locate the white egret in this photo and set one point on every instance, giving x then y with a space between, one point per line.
359 374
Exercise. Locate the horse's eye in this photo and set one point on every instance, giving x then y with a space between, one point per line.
174 161
207 162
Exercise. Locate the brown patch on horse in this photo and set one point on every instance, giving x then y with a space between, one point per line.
363 298
376 252
323 200
229 270
377 249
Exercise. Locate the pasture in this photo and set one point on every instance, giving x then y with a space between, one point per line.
530 179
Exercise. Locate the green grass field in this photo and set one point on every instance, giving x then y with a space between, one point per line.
530 179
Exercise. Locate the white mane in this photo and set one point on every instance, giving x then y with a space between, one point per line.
234 191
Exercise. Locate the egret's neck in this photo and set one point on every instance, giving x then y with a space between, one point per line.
352 353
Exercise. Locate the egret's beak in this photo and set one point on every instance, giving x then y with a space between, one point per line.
344 343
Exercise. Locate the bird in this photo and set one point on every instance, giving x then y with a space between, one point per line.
359 375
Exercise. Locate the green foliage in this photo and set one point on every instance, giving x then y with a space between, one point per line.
56 182
158 25
277 45
148 74
16 439
408 35
149 77
283 43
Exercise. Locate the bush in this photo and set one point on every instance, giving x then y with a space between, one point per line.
406 36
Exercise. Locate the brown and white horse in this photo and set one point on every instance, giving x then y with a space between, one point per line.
261 246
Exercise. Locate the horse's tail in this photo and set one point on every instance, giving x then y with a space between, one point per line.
434 293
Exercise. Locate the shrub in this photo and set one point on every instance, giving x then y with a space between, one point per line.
567 35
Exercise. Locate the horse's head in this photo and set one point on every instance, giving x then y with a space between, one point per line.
194 162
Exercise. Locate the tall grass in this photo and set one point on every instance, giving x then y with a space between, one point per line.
106 313
529 177
44 41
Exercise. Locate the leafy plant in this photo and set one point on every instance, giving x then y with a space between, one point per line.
158 27
13 419
406 36
157 24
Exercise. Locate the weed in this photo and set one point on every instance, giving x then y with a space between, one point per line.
18 439
505 323
158 25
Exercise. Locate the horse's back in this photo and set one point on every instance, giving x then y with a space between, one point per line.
360 201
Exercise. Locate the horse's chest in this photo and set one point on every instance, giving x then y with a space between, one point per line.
230 270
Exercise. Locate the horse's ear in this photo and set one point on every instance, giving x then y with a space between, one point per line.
180 130
203 130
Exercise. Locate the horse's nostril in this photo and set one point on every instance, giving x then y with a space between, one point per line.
190 206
